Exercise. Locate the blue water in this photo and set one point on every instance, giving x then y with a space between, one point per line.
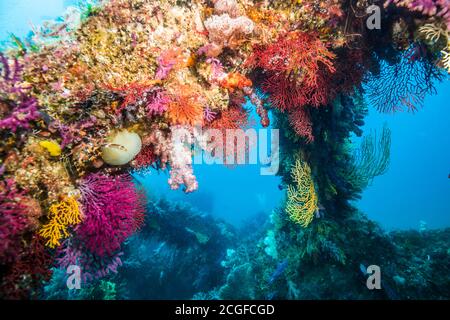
416 186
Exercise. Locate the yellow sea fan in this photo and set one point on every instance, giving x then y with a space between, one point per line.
52 147
432 32
446 59
62 215
302 201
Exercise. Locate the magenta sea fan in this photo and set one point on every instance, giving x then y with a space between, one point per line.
113 210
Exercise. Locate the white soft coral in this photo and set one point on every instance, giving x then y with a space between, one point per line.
223 29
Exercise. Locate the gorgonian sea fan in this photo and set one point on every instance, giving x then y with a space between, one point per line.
297 65
300 121
113 210
403 85
232 119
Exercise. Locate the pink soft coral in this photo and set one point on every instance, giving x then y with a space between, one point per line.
113 210
158 104
181 171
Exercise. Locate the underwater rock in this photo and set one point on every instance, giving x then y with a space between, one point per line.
123 147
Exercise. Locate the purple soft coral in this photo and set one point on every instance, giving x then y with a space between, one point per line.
11 77
113 210
17 109
158 104
209 115
440 8
21 115
71 133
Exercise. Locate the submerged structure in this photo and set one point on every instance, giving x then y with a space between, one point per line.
89 99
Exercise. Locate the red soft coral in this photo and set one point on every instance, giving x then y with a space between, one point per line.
14 220
23 279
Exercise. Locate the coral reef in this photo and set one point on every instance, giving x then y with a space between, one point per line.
102 92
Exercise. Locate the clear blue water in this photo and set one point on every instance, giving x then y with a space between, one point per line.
416 187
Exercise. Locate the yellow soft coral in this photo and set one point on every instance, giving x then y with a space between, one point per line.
302 202
52 147
62 215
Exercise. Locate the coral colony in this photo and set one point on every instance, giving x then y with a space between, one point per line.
89 99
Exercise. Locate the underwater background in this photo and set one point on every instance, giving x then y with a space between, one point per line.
198 244
419 168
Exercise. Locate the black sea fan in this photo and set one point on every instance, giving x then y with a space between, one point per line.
403 85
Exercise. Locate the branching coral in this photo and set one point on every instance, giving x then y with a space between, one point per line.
113 209
446 60
436 35
62 215
302 200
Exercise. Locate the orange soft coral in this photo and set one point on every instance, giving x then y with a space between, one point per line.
185 109
234 81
